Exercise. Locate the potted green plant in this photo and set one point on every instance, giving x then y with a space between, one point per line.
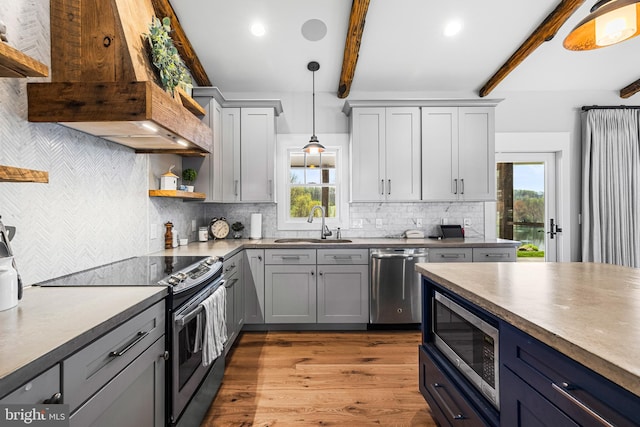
237 228
188 176
165 57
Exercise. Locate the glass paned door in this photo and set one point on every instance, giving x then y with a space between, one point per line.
526 203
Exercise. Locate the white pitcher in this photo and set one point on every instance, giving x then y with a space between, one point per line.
8 284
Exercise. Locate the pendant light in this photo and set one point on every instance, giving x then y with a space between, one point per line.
610 22
314 146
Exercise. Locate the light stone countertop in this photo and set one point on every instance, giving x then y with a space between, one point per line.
590 312
228 247
49 324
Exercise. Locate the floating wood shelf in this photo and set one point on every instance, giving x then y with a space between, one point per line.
191 195
11 174
14 63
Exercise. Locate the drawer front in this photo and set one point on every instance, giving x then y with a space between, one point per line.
447 404
232 265
584 395
451 255
290 256
41 388
343 256
494 254
91 368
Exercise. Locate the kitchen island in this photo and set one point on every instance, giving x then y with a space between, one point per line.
587 315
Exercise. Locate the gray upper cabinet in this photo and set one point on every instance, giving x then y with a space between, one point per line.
458 153
240 167
385 161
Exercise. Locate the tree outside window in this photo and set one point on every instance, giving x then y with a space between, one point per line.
312 181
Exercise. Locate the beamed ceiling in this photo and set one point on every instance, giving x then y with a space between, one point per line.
397 46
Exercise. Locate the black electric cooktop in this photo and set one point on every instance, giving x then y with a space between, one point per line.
138 271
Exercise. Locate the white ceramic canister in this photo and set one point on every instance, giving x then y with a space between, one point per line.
203 234
8 284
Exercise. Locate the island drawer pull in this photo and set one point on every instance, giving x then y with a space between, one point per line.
563 390
456 415
139 337
499 255
290 256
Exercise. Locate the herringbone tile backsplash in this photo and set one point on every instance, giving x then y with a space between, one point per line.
95 208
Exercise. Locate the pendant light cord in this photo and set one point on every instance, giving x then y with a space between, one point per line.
314 101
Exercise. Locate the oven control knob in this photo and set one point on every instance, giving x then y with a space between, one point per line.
211 260
173 280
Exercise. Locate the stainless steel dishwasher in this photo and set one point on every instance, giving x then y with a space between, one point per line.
394 295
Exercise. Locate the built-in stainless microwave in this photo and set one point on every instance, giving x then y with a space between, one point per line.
469 343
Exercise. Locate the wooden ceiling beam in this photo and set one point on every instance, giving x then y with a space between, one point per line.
352 45
545 32
631 89
163 8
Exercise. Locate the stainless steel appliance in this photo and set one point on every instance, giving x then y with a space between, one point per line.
394 296
6 235
470 343
190 386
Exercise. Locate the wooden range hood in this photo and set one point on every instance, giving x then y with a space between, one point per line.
103 82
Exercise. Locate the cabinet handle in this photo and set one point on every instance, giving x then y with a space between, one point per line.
452 414
497 255
389 189
270 187
313 273
382 187
259 257
235 187
290 257
53 400
229 283
456 183
563 390
462 182
165 355
451 256
139 337
320 273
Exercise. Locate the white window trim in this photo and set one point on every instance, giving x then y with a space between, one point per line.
285 143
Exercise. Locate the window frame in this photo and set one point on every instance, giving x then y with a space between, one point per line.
288 143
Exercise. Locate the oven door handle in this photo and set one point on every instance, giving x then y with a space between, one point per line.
184 319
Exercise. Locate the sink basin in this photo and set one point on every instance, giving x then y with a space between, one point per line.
306 240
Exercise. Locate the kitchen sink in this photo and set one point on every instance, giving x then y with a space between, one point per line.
305 240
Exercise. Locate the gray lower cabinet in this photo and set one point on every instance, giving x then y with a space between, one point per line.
235 298
290 294
45 388
119 379
343 286
450 255
472 254
135 397
253 278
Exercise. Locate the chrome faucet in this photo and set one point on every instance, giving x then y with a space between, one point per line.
324 232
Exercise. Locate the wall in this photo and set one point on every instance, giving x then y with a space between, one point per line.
95 208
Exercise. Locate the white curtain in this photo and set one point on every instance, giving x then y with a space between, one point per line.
611 186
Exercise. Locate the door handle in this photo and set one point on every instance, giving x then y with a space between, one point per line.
455 414
456 183
382 187
553 228
462 184
389 189
139 337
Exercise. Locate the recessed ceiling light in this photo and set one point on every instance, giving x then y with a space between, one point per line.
452 28
258 30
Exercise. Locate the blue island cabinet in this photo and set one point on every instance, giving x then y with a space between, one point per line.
543 387
538 385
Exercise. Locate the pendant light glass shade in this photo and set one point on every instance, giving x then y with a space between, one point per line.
314 146
610 22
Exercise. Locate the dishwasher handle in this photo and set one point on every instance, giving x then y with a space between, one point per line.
383 256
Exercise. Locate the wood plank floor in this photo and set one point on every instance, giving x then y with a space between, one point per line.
322 379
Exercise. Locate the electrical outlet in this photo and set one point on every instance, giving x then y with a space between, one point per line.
444 221
467 222
153 232
356 223
419 222
194 225
378 222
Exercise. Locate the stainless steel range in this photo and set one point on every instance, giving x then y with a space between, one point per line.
190 385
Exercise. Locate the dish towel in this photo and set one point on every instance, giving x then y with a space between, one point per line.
215 325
